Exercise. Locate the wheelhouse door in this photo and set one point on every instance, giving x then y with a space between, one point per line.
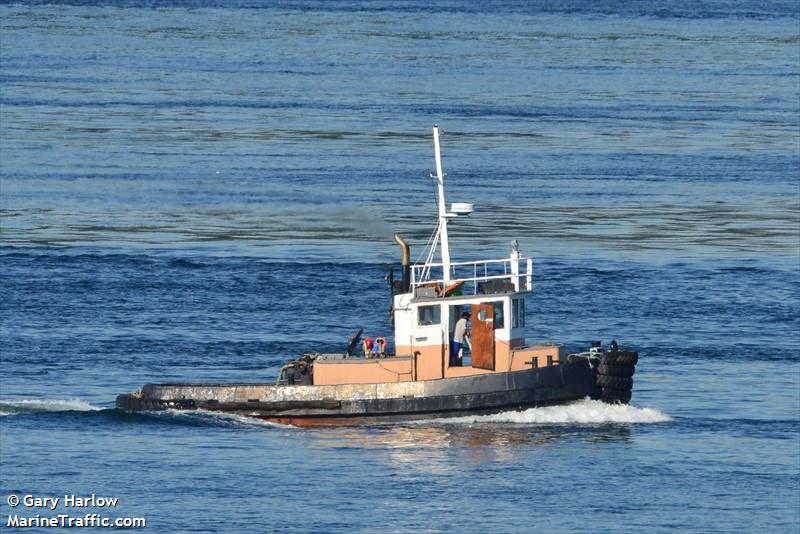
483 336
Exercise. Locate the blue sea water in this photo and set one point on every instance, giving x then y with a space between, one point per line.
196 191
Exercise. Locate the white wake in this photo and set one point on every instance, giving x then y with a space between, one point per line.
588 412
13 407
211 418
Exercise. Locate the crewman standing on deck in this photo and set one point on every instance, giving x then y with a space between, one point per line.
460 334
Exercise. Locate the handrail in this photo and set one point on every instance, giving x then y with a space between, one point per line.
511 271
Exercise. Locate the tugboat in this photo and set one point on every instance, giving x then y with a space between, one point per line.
426 375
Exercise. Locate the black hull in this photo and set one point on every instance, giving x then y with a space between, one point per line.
478 394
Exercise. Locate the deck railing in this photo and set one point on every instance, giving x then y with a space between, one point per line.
517 272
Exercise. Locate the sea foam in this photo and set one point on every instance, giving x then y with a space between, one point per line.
579 412
22 406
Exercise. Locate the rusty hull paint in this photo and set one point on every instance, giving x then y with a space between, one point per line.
237 393
470 394
428 368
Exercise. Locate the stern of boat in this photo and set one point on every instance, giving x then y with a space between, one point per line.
613 369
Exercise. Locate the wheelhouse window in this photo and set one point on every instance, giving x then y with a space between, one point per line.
499 315
517 313
429 315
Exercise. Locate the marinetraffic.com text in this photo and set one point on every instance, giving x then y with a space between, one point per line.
67 511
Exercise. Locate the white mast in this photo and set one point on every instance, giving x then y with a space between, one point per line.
442 210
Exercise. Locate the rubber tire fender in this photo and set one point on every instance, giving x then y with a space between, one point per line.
620 395
622 358
624 371
615 382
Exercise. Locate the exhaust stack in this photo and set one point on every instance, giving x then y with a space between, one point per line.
406 282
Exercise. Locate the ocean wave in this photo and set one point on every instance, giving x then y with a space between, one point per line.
586 412
212 419
192 418
26 406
